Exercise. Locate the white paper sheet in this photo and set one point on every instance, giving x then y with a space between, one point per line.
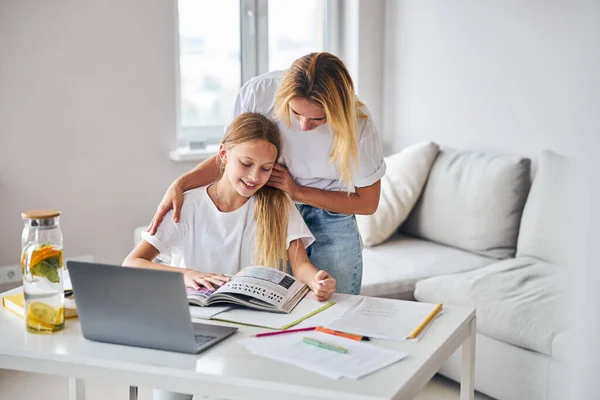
271 320
384 318
343 304
361 358
197 312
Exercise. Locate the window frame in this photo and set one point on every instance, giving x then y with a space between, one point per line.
254 50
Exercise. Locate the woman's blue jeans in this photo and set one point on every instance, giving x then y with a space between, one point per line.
337 248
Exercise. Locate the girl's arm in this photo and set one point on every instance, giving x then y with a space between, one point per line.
321 284
364 201
205 173
143 254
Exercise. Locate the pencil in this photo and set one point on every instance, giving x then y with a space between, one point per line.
312 328
426 321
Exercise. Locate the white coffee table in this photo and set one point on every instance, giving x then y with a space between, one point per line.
228 370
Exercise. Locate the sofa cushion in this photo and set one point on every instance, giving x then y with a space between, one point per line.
473 201
562 347
545 226
521 301
392 268
401 187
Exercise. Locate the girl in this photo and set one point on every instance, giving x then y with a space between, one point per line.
332 158
237 222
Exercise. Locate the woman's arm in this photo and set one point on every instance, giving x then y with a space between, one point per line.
364 201
143 254
205 173
321 284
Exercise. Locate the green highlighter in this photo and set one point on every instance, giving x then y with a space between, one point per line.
315 342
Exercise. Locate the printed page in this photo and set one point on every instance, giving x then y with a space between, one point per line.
198 296
264 284
384 318
361 358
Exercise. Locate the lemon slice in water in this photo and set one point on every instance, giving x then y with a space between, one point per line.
42 312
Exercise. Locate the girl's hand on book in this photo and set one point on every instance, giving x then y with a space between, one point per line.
323 285
195 279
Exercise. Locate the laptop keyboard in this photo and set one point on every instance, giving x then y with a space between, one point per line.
203 339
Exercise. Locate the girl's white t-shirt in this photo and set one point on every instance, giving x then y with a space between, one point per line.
213 241
306 154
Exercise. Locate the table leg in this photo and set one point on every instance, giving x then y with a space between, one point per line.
76 389
133 393
467 371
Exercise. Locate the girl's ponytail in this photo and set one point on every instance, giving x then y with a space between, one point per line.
271 211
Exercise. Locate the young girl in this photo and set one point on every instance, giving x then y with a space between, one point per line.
332 154
237 221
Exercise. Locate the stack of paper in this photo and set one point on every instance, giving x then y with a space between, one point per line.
360 359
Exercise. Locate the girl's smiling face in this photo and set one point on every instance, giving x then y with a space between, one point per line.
248 165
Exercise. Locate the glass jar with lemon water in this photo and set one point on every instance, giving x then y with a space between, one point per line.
42 268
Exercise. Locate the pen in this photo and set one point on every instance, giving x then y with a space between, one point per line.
312 328
315 342
342 334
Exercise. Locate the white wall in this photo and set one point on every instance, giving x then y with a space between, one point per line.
508 76
87 119
361 46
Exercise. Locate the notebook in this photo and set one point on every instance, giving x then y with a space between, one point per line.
308 307
16 304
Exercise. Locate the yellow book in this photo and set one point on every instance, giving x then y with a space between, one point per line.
16 304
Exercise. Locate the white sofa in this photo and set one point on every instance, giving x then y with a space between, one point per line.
482 235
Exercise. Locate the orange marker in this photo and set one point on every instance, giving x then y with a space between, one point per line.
342 334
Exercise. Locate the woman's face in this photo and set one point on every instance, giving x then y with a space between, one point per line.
308 114
248 165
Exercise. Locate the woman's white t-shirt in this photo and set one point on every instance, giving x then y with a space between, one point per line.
213 241
306 153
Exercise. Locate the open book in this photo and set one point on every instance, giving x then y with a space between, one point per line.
262 288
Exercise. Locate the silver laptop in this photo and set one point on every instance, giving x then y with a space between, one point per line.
138 307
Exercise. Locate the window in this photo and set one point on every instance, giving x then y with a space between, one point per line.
224 43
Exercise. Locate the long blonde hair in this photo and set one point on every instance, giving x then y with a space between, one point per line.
322 78
271 205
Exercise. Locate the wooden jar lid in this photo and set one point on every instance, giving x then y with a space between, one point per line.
40 214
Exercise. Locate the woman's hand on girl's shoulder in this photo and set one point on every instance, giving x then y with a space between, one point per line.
195 279
323 286
173 199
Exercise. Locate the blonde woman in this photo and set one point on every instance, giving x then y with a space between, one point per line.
331 161
237 221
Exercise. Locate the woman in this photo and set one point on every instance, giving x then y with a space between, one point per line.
331 160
